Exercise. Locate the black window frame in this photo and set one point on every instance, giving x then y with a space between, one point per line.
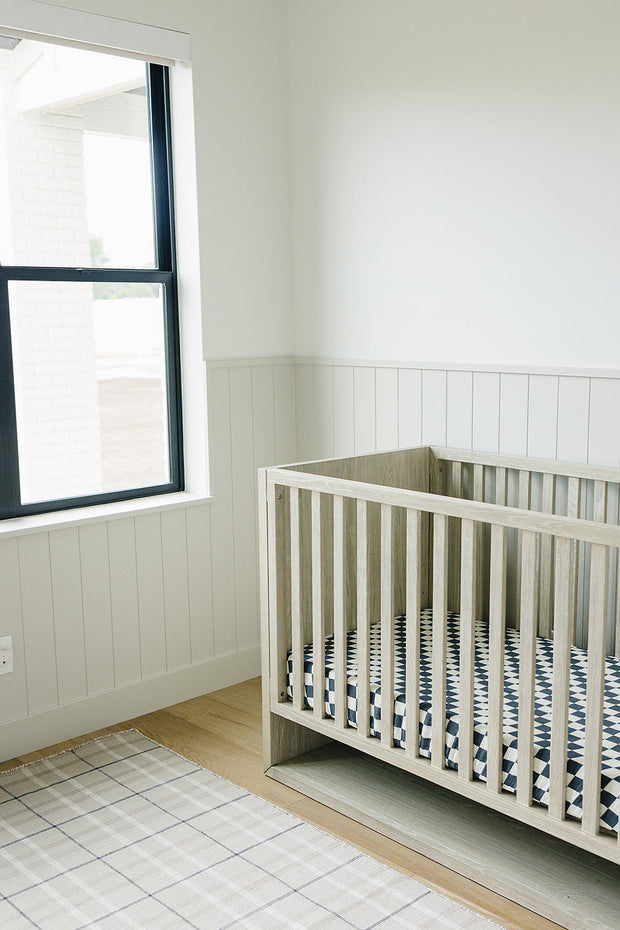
164 274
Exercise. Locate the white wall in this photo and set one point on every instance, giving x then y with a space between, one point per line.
455 183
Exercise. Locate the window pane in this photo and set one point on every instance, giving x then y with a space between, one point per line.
90 387
75 164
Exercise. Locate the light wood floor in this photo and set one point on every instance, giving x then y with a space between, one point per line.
222 732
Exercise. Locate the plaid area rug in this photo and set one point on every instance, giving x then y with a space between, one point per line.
121 832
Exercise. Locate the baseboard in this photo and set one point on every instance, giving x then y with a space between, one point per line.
27 734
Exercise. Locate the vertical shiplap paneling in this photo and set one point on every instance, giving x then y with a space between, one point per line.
409 407
265 427
38 620
66 574
244 498
199 582
176 595
542 417
344 411
434 407
124 601
486 398
96 604
513 414
304 419
222 538
386 401
573 419
604 435
323 387
13 696
149 570
365 409
284 415
459 414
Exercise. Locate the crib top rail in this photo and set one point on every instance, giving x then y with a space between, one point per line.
526 463
496 514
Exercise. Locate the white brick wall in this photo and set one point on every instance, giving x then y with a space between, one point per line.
42 174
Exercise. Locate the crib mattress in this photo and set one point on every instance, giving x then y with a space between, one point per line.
610 782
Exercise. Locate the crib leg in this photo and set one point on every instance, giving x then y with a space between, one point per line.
283 739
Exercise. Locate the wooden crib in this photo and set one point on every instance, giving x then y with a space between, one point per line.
525 551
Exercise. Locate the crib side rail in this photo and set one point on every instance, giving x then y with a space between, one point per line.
587 492
341 554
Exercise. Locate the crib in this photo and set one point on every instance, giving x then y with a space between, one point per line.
456 615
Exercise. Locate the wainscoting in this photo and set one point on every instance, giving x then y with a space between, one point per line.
126 614
344 408
118 616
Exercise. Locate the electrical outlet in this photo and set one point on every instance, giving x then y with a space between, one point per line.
6 655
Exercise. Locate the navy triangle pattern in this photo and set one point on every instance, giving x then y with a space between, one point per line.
610 781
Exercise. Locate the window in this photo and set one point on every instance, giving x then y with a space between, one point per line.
89 343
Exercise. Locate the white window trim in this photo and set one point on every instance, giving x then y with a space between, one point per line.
45 22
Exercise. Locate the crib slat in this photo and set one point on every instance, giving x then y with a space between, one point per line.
562 642
527 665
573 509
545 620
387 628
340 636
278 643
440 609
298 646
454 578
525 490
479 492
318 619
497 624
412 658
599 577
478 482
501 487
600 501
617 643
363 630
469 540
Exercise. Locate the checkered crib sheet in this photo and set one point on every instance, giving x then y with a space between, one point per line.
610 782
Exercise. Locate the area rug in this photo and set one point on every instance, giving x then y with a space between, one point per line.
121 832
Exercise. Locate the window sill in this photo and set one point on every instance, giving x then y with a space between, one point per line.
100 513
